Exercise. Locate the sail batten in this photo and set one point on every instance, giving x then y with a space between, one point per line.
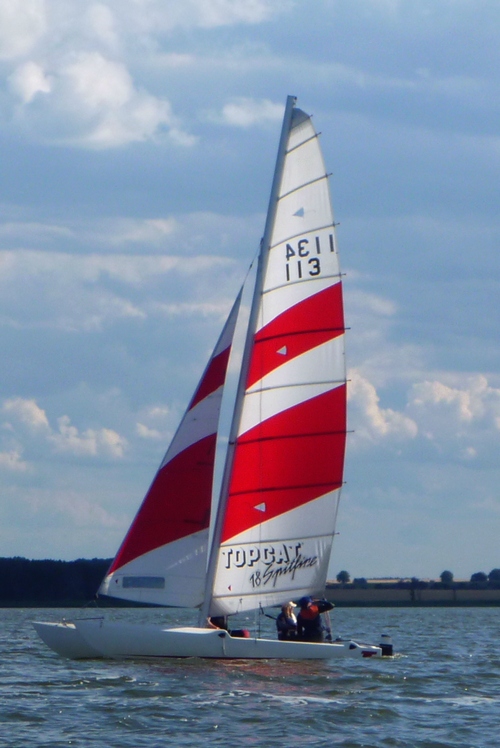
301 186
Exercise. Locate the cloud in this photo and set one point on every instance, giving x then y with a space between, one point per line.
32 232
148 231
147 433
22 24
28 413
371 422
29 79
465 417
111 109
459 422
102 26
213 13
11 461
93 443
90 101
245 112
74 70
66 438
77 292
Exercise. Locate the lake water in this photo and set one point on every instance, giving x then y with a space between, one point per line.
443 689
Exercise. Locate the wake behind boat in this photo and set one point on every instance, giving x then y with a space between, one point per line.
270 535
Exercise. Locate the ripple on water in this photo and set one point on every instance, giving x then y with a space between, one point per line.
444 691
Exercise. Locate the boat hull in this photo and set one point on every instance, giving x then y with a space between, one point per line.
65 639
98 638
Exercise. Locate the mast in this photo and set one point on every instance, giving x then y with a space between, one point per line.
252 325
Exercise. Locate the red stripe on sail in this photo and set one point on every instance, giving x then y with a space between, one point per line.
300 328
176 505
213 379
302 449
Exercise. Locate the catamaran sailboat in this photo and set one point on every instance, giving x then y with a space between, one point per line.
270 537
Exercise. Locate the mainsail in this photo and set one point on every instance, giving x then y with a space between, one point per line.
284 468
163 558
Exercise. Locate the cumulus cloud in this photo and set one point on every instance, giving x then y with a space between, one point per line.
465 416
113 111
29 79
90 442
22 24
371 422
460 420
66 438
28 413
90 102
73 70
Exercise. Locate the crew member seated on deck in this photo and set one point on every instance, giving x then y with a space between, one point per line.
286 622
310 627
220 622
217 622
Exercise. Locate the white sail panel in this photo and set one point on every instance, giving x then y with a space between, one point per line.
310 255
198 424
284 297
302 211
326 360
273 570
302 131
271 395
173 573
304 164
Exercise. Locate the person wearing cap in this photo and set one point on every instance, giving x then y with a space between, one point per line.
310 627
286 622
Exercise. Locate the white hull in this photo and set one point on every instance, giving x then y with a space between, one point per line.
65 639
96 638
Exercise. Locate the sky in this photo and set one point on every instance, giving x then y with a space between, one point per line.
137 146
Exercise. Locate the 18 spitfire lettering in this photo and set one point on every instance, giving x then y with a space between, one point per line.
274 561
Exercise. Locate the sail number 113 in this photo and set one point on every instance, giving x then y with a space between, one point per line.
303 260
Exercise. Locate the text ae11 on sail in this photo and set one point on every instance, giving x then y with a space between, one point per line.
269 539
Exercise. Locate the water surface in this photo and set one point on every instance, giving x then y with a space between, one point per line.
443 689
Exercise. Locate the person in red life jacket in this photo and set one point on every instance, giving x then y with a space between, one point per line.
286 623
310 627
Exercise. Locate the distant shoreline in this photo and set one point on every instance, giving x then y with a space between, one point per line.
48 583
390 597
461 594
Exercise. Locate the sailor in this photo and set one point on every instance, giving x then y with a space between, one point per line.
310 627
218 622
286 622
221 622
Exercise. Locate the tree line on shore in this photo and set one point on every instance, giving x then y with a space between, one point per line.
25 582
51 583
478 580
